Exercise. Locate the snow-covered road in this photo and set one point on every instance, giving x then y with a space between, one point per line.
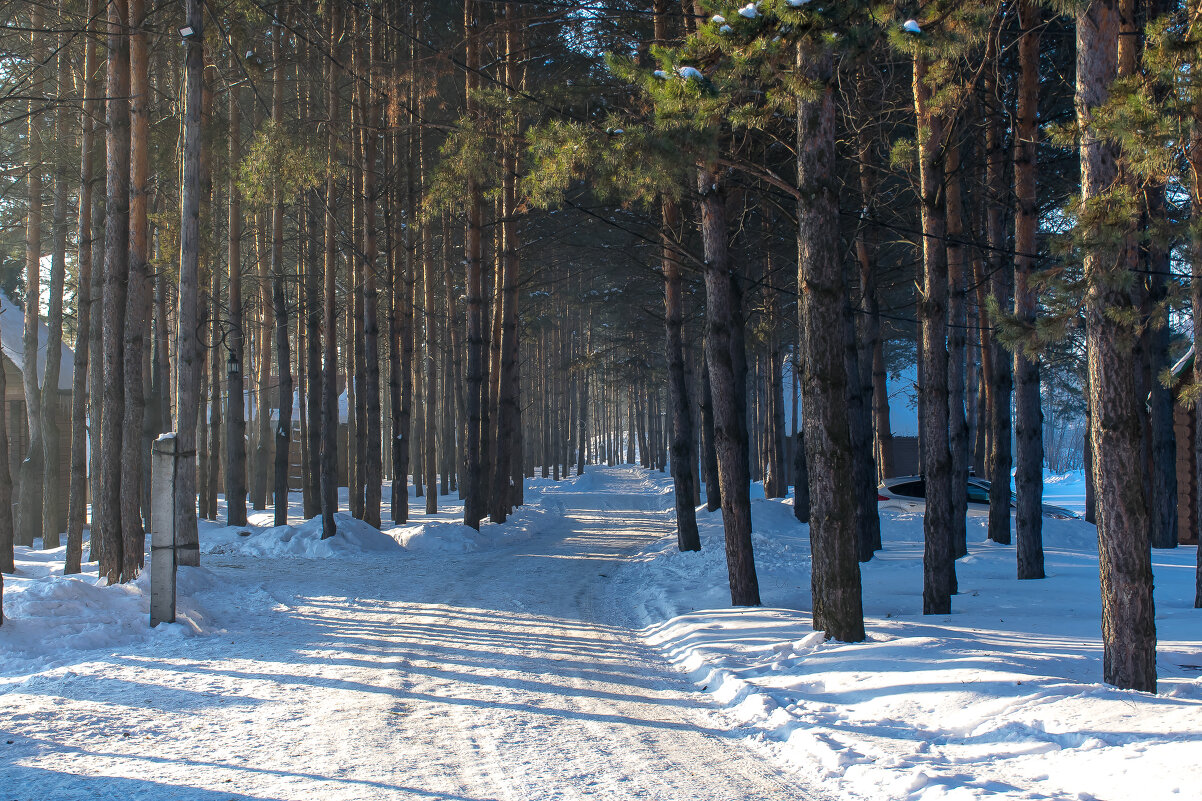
496 674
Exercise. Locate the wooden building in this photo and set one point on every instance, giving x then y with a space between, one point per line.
1185 421
12 354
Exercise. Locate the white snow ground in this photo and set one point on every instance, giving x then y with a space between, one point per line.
528 662
1001 700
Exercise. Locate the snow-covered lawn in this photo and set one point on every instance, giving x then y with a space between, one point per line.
1001 699
572 653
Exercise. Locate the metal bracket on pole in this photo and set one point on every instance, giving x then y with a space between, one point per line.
164 467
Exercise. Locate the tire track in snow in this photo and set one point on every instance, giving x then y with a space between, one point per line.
497 675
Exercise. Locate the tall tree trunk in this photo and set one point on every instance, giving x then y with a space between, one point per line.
202 433
859 425
235 417
1028 418
78 491
329 386
212 454
683 470
356 347
506 365
313 312
312 407
1163 440
137 297
957 352
283 349
373 455
354 487
938 562
29 504
801 478
1195 289
835 575
188 348
691 384
776 482
455 344
116 272
730 433
53 514
431 394
1002 285
473 509
406 280
397 262
870 308
7 530
1195 162
448 450
583 450
1128 618
95 332
490 361
980 446
709 457
1163 444
262 478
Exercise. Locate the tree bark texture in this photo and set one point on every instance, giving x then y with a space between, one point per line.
53 514
189 353
235 416
1028 411
29 503
116 273
957 351
938 562
78 490
473 507
329 384
683 471
1128 616
137 301
283 349
1002 285
730 433
835 575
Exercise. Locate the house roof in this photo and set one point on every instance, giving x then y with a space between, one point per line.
1186 362
12 332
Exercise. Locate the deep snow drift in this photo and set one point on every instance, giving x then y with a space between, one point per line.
432 661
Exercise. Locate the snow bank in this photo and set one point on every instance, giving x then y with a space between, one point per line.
1066 489
451 536
441 532
1001 699
354 538
51 619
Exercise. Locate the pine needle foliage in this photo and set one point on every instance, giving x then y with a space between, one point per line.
279 159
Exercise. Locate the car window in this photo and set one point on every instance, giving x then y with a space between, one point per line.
910 489
977 493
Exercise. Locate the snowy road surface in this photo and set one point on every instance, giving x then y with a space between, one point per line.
495 674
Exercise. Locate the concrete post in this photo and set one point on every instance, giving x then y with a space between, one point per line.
164 465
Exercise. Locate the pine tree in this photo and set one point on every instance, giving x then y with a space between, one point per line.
1128 627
